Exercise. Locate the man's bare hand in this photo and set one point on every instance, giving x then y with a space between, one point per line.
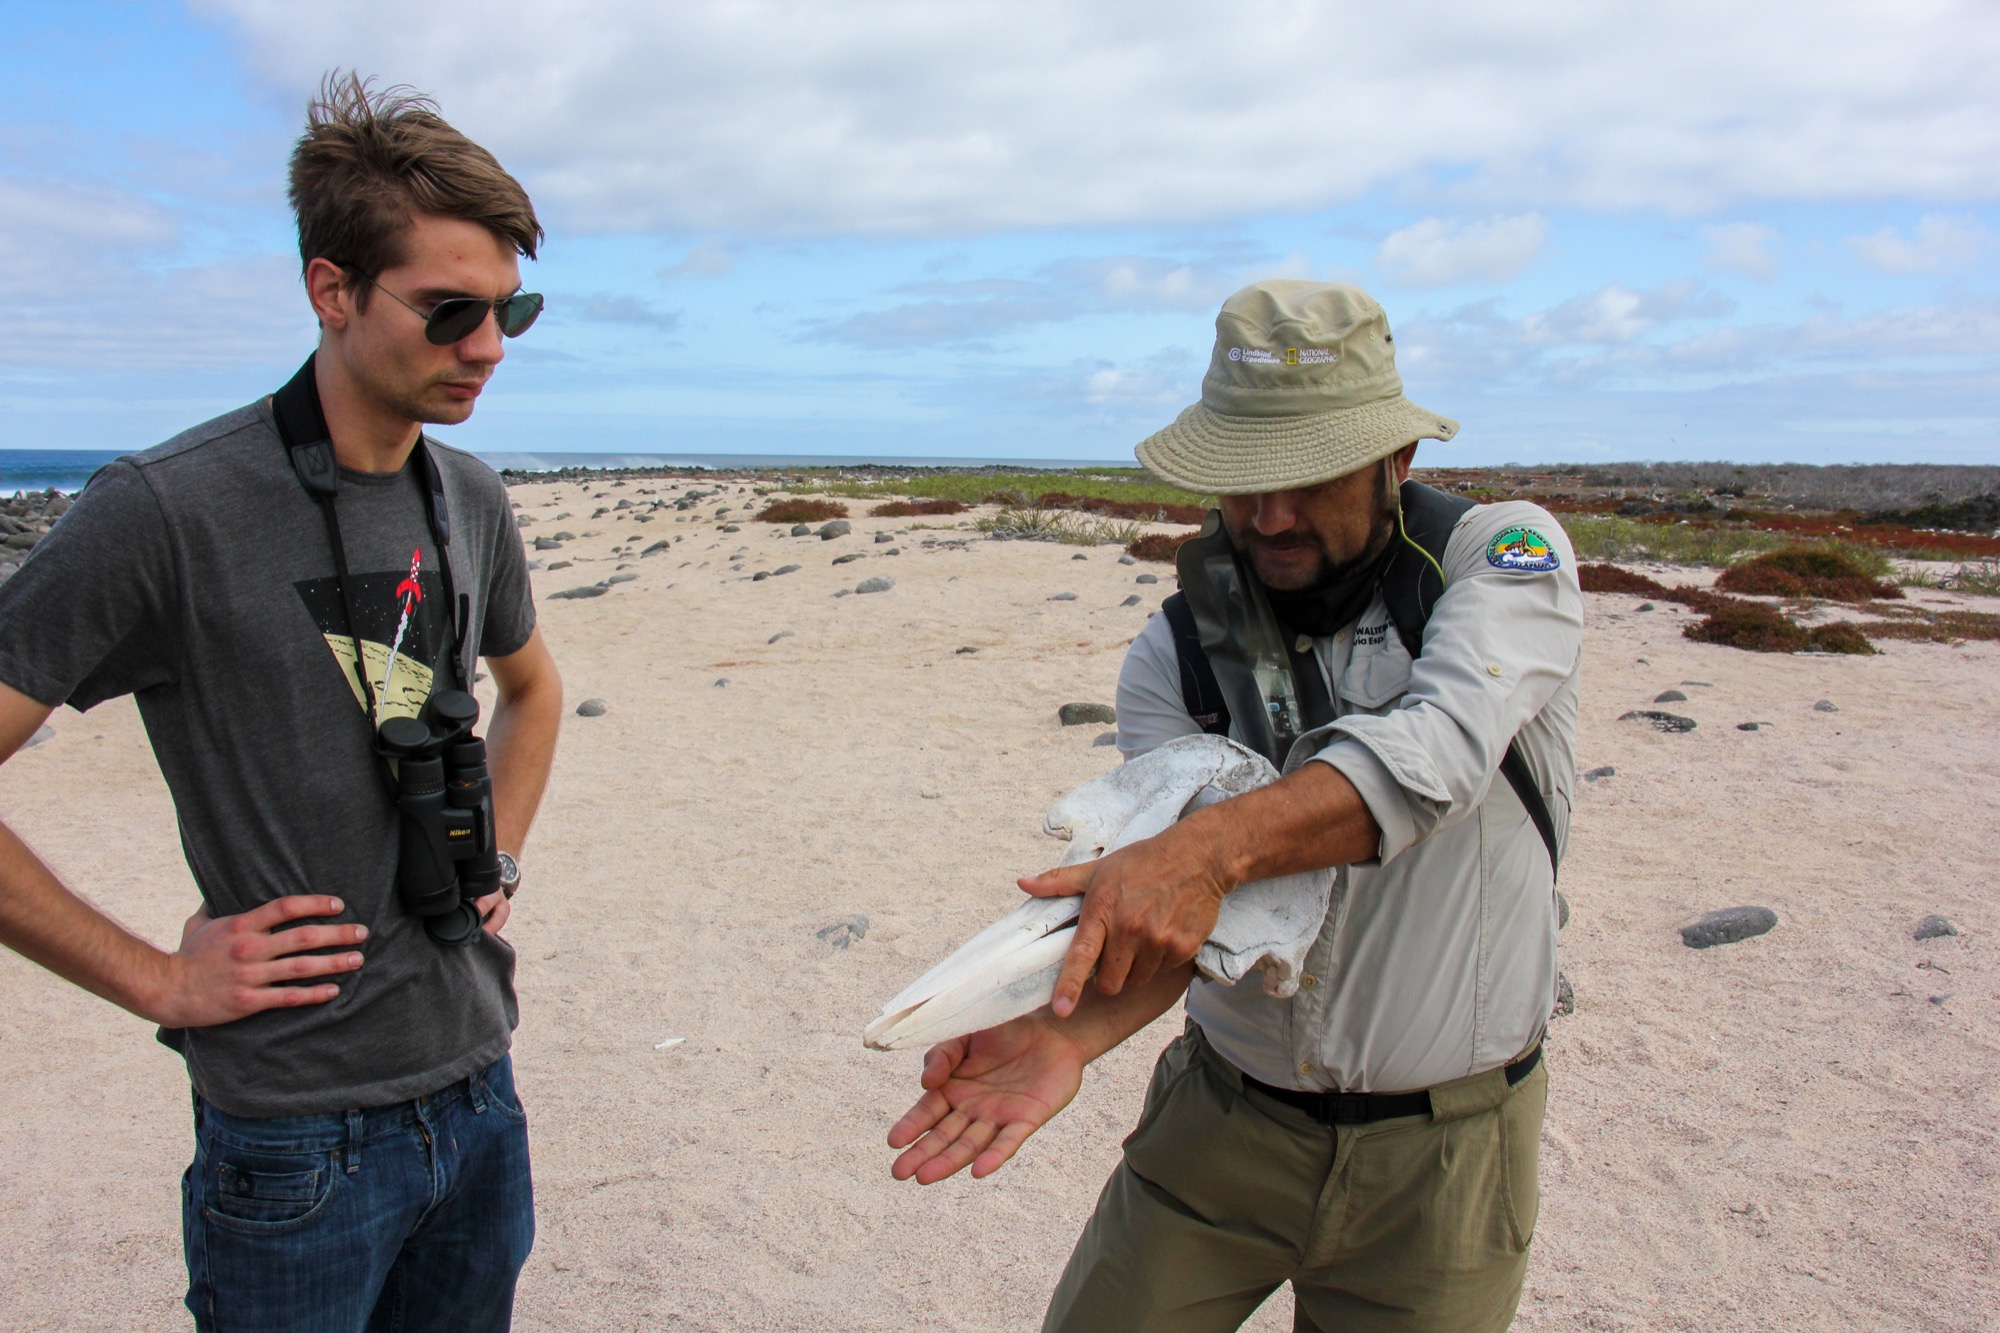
494 909
229 967
984 1095
1147 906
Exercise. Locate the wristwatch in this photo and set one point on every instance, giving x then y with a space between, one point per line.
510 874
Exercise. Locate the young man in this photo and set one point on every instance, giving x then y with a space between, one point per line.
1373 1139
272 586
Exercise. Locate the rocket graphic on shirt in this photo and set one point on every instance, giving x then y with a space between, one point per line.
402 630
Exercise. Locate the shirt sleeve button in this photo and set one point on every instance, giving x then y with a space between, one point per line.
1495 669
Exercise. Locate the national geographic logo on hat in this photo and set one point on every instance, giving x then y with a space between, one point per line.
1294 356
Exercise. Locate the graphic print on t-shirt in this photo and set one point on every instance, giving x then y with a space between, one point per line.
404 632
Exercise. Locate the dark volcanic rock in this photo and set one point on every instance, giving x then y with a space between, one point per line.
1661 721
845 931
1076 715
1562 911
880 583
1670 697
1727 926
849 558
1826 706
1602 771
1133 600
590 708
839 527
577 594
1565 998
1147 578
1930 928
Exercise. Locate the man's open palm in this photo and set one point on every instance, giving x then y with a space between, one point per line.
984 1095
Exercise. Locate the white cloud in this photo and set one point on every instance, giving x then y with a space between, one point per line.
1613 314
888 116
1942 244
1435 253
707 260
1741 247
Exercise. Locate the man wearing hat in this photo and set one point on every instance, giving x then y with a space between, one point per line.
1409 661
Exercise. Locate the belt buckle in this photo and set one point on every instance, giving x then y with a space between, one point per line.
1347 1108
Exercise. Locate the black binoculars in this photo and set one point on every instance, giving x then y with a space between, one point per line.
448 858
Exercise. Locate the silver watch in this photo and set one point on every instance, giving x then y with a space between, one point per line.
510 874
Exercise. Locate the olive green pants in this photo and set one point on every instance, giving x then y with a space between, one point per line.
1413 1224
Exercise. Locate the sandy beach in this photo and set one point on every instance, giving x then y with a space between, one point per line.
794 802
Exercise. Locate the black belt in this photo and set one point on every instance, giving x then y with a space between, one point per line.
1361 1108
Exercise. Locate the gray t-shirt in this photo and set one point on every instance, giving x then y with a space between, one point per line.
199 577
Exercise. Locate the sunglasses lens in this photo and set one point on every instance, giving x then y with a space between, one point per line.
454 319
517 313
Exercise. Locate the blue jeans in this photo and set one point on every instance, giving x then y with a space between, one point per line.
416 1216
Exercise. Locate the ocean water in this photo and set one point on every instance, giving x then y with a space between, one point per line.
68 469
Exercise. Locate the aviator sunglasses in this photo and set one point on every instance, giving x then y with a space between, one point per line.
456 317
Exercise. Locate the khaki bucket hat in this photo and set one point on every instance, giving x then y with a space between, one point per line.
1302 388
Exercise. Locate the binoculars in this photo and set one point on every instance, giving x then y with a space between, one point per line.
447 857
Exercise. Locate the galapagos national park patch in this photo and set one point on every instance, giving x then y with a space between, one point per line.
1523 550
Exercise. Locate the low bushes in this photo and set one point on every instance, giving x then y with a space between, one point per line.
1140 511
801 511
1160 547
1805 572
916 508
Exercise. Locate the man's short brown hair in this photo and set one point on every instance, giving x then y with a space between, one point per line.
370 160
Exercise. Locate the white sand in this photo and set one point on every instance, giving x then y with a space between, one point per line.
1782 1133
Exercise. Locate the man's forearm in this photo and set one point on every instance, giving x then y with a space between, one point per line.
521 746
1308 820
1103 1021
46 923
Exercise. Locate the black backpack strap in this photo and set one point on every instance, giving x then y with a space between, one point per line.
1201 693
1411 588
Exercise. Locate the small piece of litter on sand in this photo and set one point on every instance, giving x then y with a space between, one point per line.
668 1043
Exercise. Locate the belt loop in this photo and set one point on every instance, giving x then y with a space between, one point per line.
475 1092
353 1153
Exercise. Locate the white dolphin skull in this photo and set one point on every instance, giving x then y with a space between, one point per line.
1010 968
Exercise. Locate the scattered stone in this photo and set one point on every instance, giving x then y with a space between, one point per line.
893 550
1647 606
1727 926
578 594
554 565
1940 999
1930 928
1607 771
843 592
965 650
1661 721
839 527
1670 697
884 538
1826 706
1133 600
781 634
591 708
1700 684
1106 738
547 544
1147 578
848 558
1076 715
1749 726
930 795
880 583
732 527
760 576
1565 998
1063 597
1127 559
845 931
1562 910
563 537
784 569
1079 556
720 681
534 565
802 529
45 732
621 578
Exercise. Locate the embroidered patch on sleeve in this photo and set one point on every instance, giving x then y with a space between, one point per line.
1523 550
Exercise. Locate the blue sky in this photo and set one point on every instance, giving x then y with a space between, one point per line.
981 229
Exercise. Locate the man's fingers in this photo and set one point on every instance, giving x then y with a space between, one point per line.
291 908
1062 882
494 909
918 1120
1004 1147
1077 964
254 1000
958 1154
283 942
303 965
941 1059
1114 965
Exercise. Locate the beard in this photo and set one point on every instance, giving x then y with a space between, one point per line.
1329 572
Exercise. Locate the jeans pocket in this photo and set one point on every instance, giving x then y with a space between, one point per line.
265 1193
501 1095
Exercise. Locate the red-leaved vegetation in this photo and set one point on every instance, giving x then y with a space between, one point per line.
916 508
1158 546
1804 572
801 511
